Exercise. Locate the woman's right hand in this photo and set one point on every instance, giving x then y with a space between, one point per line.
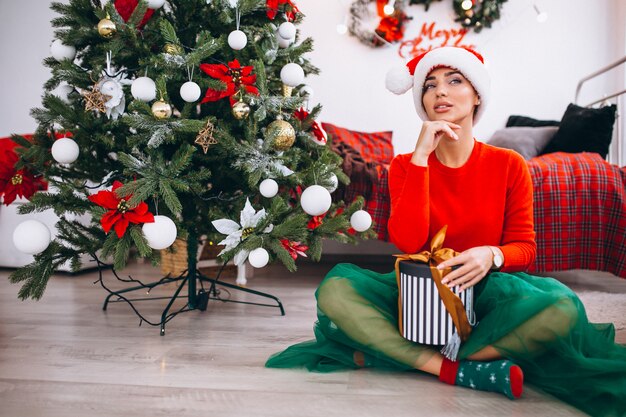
429 138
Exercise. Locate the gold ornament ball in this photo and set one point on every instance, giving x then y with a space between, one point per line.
173 49
241 110
106 28
161 109
280 134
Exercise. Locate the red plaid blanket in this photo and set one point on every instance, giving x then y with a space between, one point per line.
579 211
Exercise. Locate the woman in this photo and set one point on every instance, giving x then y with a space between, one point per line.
484 195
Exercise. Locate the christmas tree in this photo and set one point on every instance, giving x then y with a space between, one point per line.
185 119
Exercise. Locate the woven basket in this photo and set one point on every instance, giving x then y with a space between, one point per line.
174 259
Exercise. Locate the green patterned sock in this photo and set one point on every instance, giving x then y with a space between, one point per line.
497 376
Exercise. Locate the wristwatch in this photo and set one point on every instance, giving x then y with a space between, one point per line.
497 259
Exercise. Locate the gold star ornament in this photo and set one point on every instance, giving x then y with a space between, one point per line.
205 137
95 100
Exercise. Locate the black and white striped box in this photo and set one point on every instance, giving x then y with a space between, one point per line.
424 318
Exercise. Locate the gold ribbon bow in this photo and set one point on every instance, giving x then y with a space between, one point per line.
451 301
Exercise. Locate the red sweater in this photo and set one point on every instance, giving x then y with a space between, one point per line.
487 201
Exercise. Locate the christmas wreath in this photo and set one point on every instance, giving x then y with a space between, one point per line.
390 28
381 29
477 14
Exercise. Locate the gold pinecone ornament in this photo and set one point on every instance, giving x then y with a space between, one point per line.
280 134
241 110
106 27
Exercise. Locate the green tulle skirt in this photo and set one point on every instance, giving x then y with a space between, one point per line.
537 322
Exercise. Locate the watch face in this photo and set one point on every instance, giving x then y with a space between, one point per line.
497 261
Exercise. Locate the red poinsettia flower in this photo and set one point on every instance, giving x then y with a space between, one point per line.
294 196
16 183
317 221
294 248
126 8
234 75
120 214
320 134
272 9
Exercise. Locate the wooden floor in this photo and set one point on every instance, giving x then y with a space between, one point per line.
65 356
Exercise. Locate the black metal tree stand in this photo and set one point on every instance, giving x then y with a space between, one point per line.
196 299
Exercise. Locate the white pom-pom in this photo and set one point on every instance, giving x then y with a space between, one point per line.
155 4
65 150
190 92
360 220
287 30
237 40
292 74
399 80
258 257
315 200
160 234
31 236
268 188
144 89
60 51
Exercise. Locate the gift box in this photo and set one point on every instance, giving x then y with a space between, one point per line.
424 317
428 311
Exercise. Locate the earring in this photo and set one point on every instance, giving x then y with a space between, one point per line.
478 104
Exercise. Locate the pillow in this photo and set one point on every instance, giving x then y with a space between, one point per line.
527 141
584 129
515 120
373 147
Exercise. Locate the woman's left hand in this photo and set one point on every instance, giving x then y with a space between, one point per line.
474 263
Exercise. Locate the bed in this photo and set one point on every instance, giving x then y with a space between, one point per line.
578 175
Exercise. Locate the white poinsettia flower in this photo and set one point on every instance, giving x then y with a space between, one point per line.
236 232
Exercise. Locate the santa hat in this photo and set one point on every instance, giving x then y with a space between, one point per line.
470 63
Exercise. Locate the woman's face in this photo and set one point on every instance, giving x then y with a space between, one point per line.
448 95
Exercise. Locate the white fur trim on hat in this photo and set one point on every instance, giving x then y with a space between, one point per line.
454 57
399 80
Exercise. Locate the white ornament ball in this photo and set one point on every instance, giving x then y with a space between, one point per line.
144 89
360 220
284 43
160 234
307 92
287 30
292 74
60 51
63 91
268 188
190 92
315 200
155 4
334 183
258 257
31 236
65 150
237 40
